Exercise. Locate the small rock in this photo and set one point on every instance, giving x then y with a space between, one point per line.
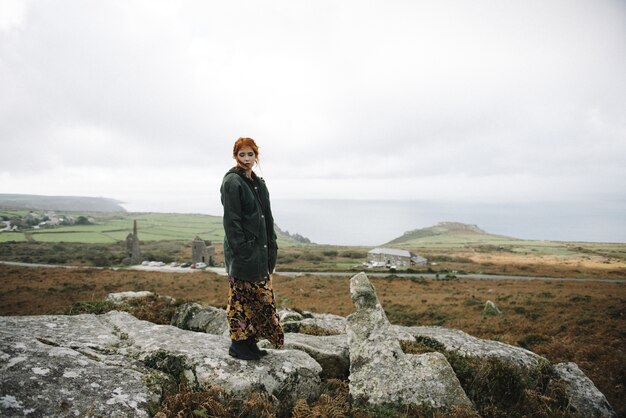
121 296
491 309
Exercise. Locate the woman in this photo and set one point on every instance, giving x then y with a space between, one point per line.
250 256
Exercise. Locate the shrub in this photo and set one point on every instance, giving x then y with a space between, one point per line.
333 402
211 402
499 389
92 307
530 340
353 254
309 329
312 257
99 260
472 302
422 345
285 258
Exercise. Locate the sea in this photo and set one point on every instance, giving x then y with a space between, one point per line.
375 222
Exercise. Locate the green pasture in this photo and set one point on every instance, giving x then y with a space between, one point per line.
12 236
81 237
115 227
496 243
14 212
457 241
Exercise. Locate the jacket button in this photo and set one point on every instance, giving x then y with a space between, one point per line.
262 216
265 246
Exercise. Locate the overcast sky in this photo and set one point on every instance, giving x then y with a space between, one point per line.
455 101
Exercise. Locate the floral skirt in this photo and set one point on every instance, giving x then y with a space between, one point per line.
252 312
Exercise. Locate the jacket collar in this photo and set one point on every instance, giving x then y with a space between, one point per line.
241 172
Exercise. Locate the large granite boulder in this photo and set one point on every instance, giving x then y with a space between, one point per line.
381 373
117 365
584 398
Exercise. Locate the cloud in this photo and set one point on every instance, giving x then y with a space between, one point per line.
515 100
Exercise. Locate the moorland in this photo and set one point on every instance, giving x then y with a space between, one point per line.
580 321
167 237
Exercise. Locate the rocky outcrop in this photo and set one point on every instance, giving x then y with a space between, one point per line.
117 365
380 372
329 350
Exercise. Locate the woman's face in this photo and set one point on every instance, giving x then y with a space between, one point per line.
246 158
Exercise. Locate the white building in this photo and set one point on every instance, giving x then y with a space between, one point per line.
394 257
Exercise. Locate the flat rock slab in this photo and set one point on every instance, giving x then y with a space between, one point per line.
95 364
468 346
288 374
42 377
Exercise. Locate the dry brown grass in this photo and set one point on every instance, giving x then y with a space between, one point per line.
520 264
584 322
582 263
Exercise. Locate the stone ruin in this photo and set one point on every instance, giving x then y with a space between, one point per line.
116 365
202 251
133 253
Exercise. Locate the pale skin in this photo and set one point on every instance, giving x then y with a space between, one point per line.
246 159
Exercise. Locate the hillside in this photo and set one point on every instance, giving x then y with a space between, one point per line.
65 203
113 227
447 233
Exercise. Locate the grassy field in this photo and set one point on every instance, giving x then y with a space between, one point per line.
113 227
584 322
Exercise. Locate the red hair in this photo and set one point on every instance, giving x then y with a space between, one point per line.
246 142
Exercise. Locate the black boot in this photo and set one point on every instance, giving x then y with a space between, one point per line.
254 348
241 350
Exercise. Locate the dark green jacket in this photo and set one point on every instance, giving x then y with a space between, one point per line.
250 241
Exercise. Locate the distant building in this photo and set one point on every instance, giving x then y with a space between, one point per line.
394 257
202 251
53 219
132 246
